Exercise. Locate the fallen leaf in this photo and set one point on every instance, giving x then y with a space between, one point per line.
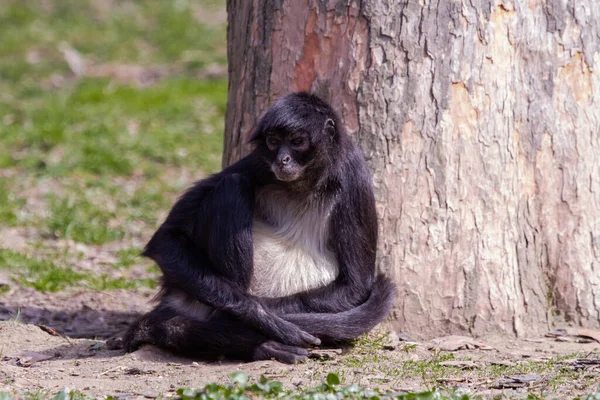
503 363
148 394
517 381
28 358
446 381
584 333
526 378
324 354
459 364
582 363
581 332
534 340
404 337
138 371
508 384
454 342
48 330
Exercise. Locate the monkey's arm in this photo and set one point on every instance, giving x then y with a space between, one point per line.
353 238
205 249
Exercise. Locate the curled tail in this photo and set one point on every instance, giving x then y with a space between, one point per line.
343 326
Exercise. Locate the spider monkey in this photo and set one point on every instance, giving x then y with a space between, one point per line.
274 254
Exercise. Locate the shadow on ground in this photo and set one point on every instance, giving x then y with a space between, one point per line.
81 314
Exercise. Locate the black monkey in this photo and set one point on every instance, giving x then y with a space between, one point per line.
276 252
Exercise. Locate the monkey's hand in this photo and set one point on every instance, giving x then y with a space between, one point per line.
245 307
279 329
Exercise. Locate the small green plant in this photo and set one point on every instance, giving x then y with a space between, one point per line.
69 395
409 347
239 389
17 316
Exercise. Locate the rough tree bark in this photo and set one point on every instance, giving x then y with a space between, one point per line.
480 120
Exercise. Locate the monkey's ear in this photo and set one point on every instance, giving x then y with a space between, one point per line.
329 128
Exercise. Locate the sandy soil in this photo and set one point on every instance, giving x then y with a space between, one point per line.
73 354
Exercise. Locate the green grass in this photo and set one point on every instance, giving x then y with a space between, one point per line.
37 273
98 128
104 282
81 221
42 274
147 31
104 126
9 203
127 257
100 157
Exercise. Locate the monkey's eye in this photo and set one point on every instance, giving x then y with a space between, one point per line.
272 141
298 142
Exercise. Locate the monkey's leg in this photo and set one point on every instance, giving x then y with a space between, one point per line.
219 336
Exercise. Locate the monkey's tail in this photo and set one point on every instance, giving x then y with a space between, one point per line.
347 325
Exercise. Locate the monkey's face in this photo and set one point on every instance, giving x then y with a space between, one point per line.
288 154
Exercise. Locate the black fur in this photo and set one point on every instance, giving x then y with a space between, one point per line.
205 248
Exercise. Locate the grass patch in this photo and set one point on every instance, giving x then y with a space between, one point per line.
104 126
9 203
104 155
128 257
98 128
141 32
104 282
37 273
145 202
81 221
44 275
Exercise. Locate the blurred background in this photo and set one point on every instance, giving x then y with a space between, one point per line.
108 110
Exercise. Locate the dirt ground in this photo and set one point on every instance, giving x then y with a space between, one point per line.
73 354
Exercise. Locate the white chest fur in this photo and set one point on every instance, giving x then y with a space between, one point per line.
290 245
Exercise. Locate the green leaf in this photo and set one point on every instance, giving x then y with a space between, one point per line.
61 395
333 379
186 394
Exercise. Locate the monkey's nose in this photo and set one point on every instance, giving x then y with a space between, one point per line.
286 160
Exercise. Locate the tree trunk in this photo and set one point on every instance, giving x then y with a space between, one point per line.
480 121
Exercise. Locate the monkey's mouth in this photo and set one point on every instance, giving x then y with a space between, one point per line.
287 173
